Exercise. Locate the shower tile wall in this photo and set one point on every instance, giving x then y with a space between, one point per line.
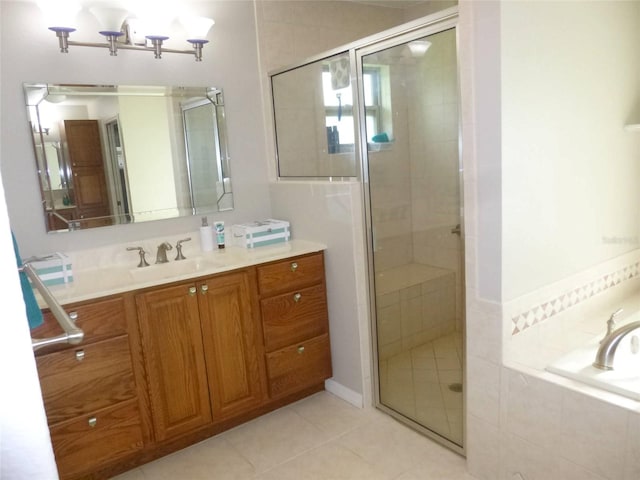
434 152
415 315
416 199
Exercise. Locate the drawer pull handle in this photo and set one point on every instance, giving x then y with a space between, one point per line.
79 355
93 421
73 316
300 349
204 289
294 266
192 291
297 297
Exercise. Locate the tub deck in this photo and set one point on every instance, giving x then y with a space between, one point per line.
624 379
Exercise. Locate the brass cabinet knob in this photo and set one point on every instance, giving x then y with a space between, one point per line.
297 297
300 349
79 355
192 291
204 289
93 421
294 266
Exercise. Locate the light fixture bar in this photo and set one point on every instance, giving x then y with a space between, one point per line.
129 47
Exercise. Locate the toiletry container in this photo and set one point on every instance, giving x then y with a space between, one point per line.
206 236
219 228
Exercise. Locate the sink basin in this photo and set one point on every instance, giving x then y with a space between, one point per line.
176 268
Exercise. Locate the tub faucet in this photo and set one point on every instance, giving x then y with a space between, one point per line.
608 346
161 255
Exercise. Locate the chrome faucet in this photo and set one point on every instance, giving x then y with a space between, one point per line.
161 255
608 346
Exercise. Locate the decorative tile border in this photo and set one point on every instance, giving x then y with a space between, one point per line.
568 299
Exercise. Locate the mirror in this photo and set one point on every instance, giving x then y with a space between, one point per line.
118 154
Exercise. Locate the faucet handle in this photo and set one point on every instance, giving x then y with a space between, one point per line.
179 255
612 322
141 252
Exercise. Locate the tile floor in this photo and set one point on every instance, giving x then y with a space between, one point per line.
416 384
320 437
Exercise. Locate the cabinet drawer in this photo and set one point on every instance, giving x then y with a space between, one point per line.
86 378
97 437
291 274
294 316
298 366
98 320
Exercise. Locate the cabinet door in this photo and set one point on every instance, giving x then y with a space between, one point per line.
174 360
237 377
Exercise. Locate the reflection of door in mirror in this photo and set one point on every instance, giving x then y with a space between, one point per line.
120 195
82 139
202 144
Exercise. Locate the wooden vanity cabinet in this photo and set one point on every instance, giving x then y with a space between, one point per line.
202 352
167 366
233 343
90 390
173 351
293 303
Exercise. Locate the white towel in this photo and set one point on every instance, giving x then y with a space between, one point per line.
340 75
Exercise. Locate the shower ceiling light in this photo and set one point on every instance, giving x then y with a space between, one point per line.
419 47
118 31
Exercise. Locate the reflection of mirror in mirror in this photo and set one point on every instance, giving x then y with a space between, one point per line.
109 155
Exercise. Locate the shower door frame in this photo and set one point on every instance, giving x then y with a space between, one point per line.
434 24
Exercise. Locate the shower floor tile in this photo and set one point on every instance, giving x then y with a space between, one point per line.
424 384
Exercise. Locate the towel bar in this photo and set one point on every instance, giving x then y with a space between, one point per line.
72 334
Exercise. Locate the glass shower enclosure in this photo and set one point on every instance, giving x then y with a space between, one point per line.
413 173
387 112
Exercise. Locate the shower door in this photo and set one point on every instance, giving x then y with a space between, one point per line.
413 172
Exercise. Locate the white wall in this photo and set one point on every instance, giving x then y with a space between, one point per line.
25 446
230 62
547 86
570 171
149 167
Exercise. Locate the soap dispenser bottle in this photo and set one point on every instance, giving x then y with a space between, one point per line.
206 236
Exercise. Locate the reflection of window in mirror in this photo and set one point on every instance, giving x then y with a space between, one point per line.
338 104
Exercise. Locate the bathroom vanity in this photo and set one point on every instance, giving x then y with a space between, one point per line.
170 361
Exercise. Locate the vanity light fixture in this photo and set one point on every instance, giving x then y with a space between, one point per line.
121 29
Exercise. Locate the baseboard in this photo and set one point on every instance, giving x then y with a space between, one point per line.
346 394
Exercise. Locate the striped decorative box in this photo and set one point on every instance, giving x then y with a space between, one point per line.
261 233
53 269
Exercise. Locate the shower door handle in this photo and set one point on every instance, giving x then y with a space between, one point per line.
456 230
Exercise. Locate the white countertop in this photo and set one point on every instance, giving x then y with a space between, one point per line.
89 283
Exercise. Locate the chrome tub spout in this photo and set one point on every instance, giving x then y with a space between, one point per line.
608 346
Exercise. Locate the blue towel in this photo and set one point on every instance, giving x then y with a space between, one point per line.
34 315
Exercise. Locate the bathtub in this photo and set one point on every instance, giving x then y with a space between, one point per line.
624 379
